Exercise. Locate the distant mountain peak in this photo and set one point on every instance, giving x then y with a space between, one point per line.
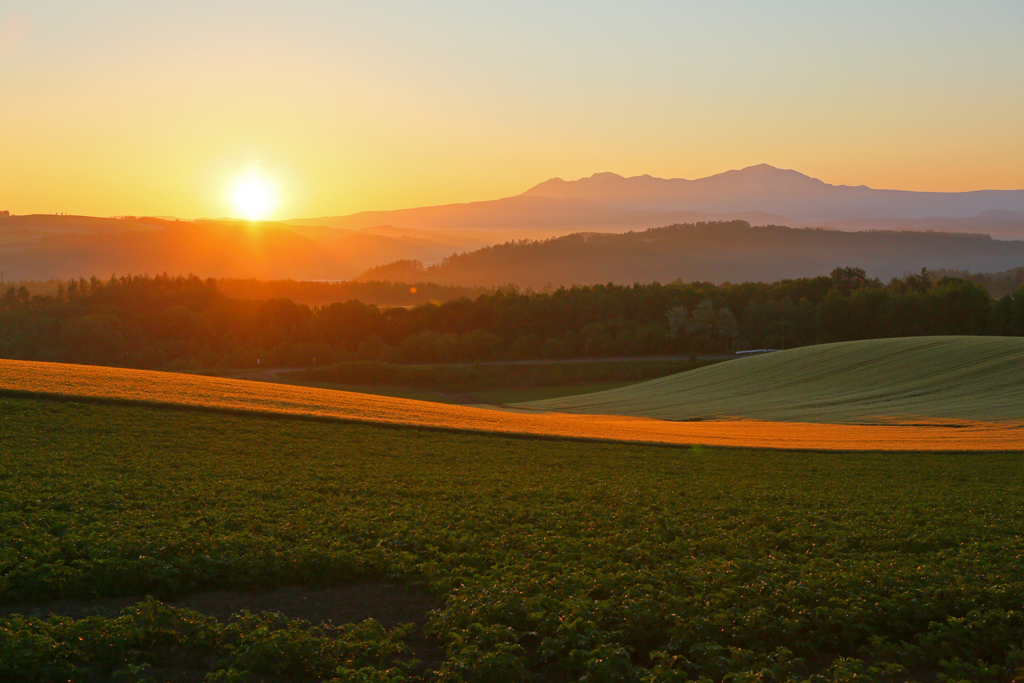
767 188
595 179
557 187
763 177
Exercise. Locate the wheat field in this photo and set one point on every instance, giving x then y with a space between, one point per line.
54 380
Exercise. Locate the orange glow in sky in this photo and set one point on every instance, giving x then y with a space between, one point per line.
253 196
121 107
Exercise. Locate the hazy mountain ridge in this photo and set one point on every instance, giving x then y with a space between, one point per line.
761 195
521 216
217 250
998 224
714 252
783 191
43 247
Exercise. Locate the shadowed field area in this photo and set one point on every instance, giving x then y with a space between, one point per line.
387 603
877 381
211 393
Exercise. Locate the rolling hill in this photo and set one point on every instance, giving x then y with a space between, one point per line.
714 252
1006 225
18 233
528 216
178 391
721 251
42 247
879 381
207 249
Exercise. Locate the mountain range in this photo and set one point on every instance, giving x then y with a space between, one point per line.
760 195
342 247
779 191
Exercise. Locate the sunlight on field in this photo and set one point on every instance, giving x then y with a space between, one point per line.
159 388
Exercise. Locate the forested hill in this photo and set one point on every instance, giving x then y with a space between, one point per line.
731 251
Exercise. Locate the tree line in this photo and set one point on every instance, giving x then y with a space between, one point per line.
189 323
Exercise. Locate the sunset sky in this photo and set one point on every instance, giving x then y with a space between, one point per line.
114 107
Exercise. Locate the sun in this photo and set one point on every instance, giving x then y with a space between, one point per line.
253 196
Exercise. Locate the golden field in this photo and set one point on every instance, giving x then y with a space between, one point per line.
210 393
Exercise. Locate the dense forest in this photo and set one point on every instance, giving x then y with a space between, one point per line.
397 291
318 293
998 284
178 322
311 292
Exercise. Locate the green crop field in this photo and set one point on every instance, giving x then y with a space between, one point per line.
486 383
497 397
873 381
483 378
544 560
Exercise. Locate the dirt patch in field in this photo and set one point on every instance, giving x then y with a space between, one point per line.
390 604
